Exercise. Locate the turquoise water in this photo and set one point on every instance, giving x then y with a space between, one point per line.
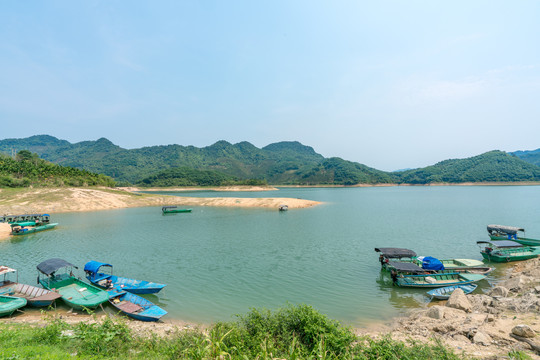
218 262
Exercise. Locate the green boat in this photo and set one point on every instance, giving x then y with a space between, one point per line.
435 280
29 227
9 304
502 232
174 210
506 251
75 293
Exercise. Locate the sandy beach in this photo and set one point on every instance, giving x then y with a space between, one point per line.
59 200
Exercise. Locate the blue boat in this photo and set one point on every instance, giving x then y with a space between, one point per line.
107 280
445 292
135 306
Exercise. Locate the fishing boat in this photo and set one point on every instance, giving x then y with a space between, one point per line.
9 304
506 251
502 232
410 268
135 306
35 296
389 254
435 280
75 293
29 227
105 279
174 210
283 207
42 218
444 293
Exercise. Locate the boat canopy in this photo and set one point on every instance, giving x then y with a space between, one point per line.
504 229
406 267
6 270
501 243
431 263
169 207
48 267
396 253
23 223
93 266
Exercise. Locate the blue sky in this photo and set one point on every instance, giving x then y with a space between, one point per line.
390 84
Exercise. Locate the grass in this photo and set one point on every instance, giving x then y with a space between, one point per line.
293 332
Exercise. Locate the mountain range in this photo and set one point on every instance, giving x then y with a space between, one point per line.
287 162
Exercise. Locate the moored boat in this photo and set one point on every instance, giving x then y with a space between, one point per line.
173 210
9 304
503 232
135 306
35 296
506 251
29 227
444 293
435 280
105 279
75 293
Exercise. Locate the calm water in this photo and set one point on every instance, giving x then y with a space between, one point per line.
218 262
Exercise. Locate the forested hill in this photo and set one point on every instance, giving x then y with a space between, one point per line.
493 166
530 156
280 163
287 162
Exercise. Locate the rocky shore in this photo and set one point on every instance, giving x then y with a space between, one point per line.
486 326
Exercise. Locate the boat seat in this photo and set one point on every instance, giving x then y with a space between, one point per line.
129 307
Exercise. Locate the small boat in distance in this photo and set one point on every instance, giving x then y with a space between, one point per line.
9 304
35 296
75 293
174 210
135 306
506 251
502 232
107 280
29 227
283 207
444 293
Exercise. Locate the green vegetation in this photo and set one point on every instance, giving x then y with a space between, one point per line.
27 169
493 166
185 176
294 333
532 157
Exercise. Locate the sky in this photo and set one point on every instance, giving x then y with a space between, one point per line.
389 84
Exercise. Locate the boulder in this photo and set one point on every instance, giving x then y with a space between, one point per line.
482 339
523 331
458 300
499 291
435 312
516 283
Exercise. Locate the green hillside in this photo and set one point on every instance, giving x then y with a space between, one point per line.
493 166
27 169
531 156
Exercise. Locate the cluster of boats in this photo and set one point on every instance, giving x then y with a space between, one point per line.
28 223
58 282
407 269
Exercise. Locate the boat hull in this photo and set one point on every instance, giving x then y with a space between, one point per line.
35 296
10 304
131 285
75 293
503 258
520 240
31 230
135 306
439 280
176 211
444 293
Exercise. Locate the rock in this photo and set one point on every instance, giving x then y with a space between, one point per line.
460 338
482 339
523 331
458 300
499 291
435 312
489 318
537 289
516 283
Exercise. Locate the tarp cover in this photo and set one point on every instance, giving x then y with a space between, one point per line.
504 229
431 263
93 266
501 243
49 266
396 253
6 270
405 267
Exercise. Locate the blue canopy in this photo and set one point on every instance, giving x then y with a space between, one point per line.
431 263
93 266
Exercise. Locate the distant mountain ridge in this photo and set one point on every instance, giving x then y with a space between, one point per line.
286 162
530 156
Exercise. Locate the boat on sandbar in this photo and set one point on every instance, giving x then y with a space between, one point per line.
35 296
10 304
444 293
506 251
503 232
29 227
75 293
135 306
435 280
174 210
105 279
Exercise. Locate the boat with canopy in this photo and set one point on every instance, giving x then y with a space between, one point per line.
35 296
503 232
506 251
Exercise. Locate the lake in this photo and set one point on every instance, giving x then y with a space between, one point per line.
219 262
